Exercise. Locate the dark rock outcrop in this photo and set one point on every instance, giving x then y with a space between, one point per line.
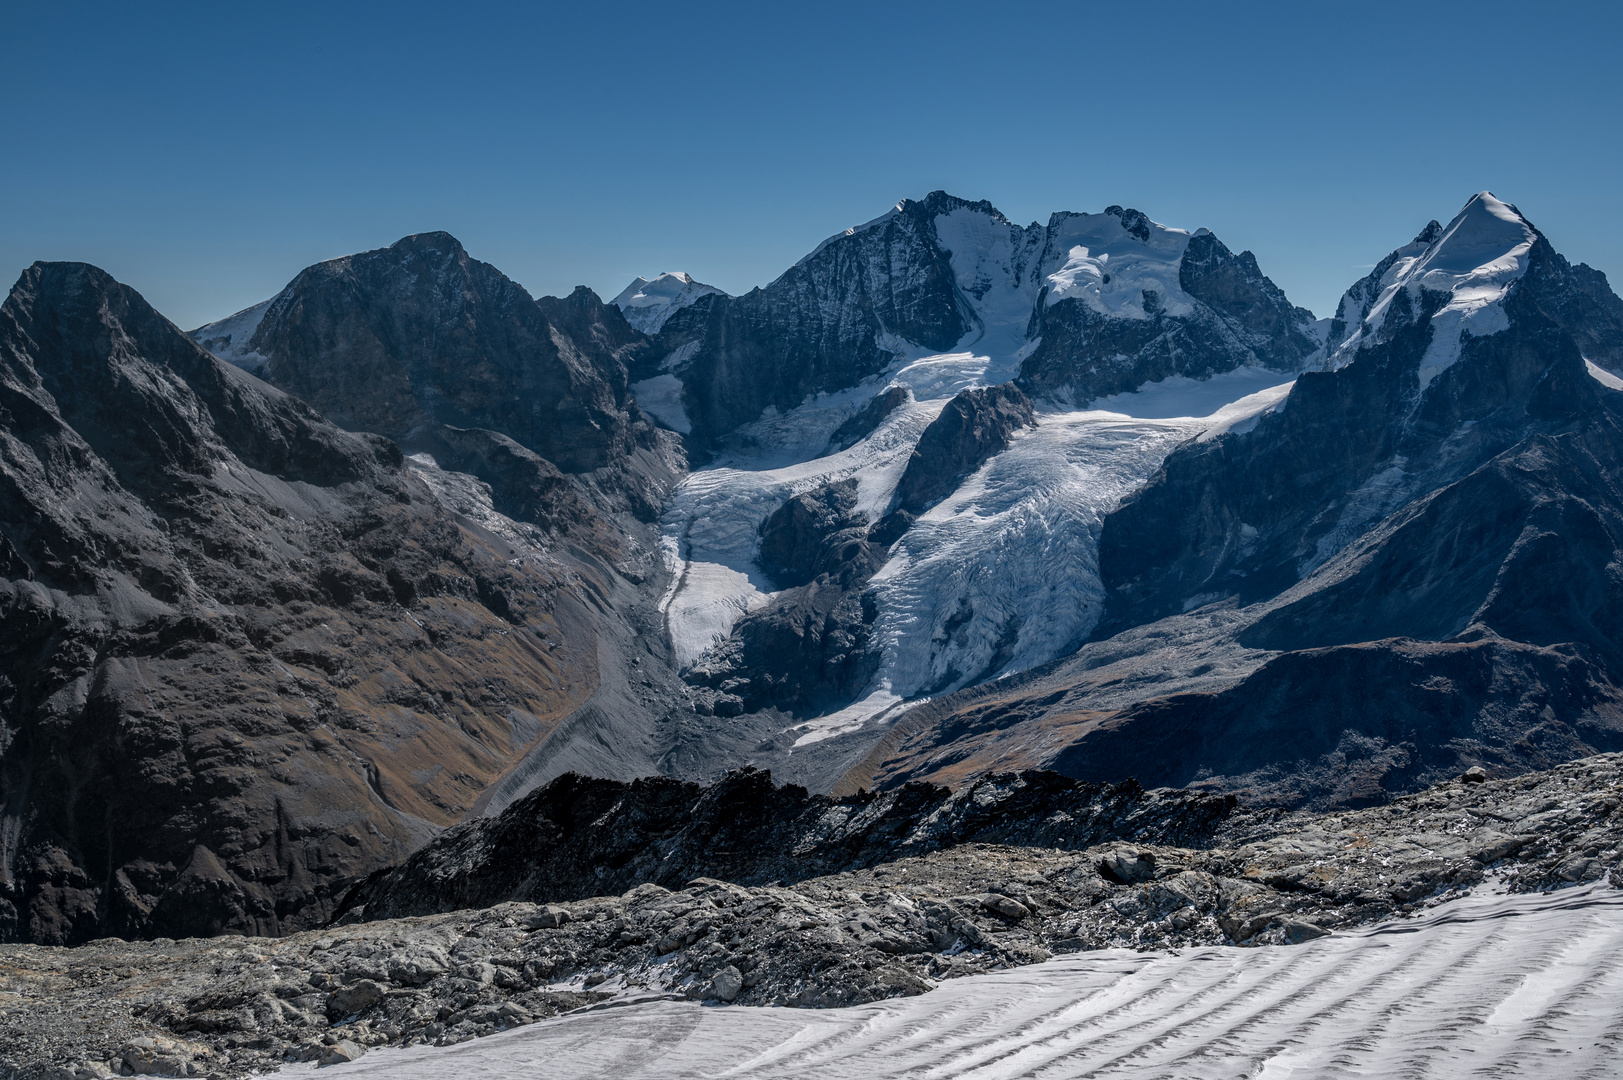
866 421
580 837
812 534
807 650
972 428
245 656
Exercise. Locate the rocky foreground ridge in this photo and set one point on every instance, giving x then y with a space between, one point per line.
1106 867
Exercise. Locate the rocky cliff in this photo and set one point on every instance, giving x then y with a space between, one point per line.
245 655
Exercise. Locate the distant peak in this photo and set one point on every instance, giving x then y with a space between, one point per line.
647 304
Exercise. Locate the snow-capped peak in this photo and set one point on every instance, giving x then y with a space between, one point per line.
1112 261
1474 260
647 304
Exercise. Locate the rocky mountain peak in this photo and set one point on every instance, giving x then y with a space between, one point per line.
1134 222
437 242
417 338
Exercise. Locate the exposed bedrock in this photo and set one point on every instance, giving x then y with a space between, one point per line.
972 428
806 650
580 837
245 656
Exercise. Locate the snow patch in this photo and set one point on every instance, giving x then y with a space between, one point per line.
229 337
661 398
1602 376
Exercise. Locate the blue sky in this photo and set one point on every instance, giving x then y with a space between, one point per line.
205 153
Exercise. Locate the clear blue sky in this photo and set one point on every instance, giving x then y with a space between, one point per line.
205 153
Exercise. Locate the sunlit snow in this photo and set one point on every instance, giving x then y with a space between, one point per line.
1479 255
1001 576
1486 986
648 304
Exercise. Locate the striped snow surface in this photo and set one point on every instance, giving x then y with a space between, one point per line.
1488 986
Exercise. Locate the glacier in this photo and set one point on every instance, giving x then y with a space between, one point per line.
1490 985
1002 576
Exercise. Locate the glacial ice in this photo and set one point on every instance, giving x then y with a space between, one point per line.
1001 576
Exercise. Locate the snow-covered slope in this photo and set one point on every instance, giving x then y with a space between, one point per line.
1489 986
229 338
647 304
1472 262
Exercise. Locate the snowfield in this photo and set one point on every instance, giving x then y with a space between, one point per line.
1487 986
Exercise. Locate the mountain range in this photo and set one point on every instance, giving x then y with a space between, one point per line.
287 596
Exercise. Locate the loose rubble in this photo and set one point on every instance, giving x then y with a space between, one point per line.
235 1006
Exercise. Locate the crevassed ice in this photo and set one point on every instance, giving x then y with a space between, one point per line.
1003 575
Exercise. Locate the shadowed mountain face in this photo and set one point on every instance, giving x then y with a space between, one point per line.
1102 302
1412 565
447 356
245 655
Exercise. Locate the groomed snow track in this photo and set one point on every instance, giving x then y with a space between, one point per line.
1489 986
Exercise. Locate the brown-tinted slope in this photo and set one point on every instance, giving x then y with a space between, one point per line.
245 656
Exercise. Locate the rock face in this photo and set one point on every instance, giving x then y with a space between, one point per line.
245 656
1405 567
807 650
973 427
1190 307
581 837
1105 302
808 536
409 339
825 324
